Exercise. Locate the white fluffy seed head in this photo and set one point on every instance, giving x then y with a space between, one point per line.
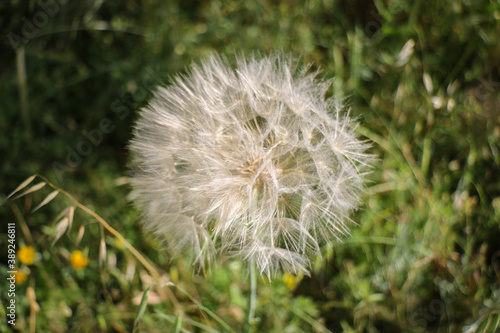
254 162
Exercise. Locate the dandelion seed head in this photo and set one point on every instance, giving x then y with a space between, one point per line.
254 162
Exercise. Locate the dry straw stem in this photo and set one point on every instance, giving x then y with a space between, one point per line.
115 233
34 307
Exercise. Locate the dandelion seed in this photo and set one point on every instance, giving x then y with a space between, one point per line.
78 260
26 255
254 162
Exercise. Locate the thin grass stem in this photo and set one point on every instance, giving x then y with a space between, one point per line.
253 293
23 89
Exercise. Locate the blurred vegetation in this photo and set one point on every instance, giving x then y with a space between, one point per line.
422 76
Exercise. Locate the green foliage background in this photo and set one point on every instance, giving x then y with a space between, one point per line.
422 76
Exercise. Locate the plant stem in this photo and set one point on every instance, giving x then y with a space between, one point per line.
253 270
23 90
253 293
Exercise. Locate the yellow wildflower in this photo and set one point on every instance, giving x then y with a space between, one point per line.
78 260
290 280
20 277
26 255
